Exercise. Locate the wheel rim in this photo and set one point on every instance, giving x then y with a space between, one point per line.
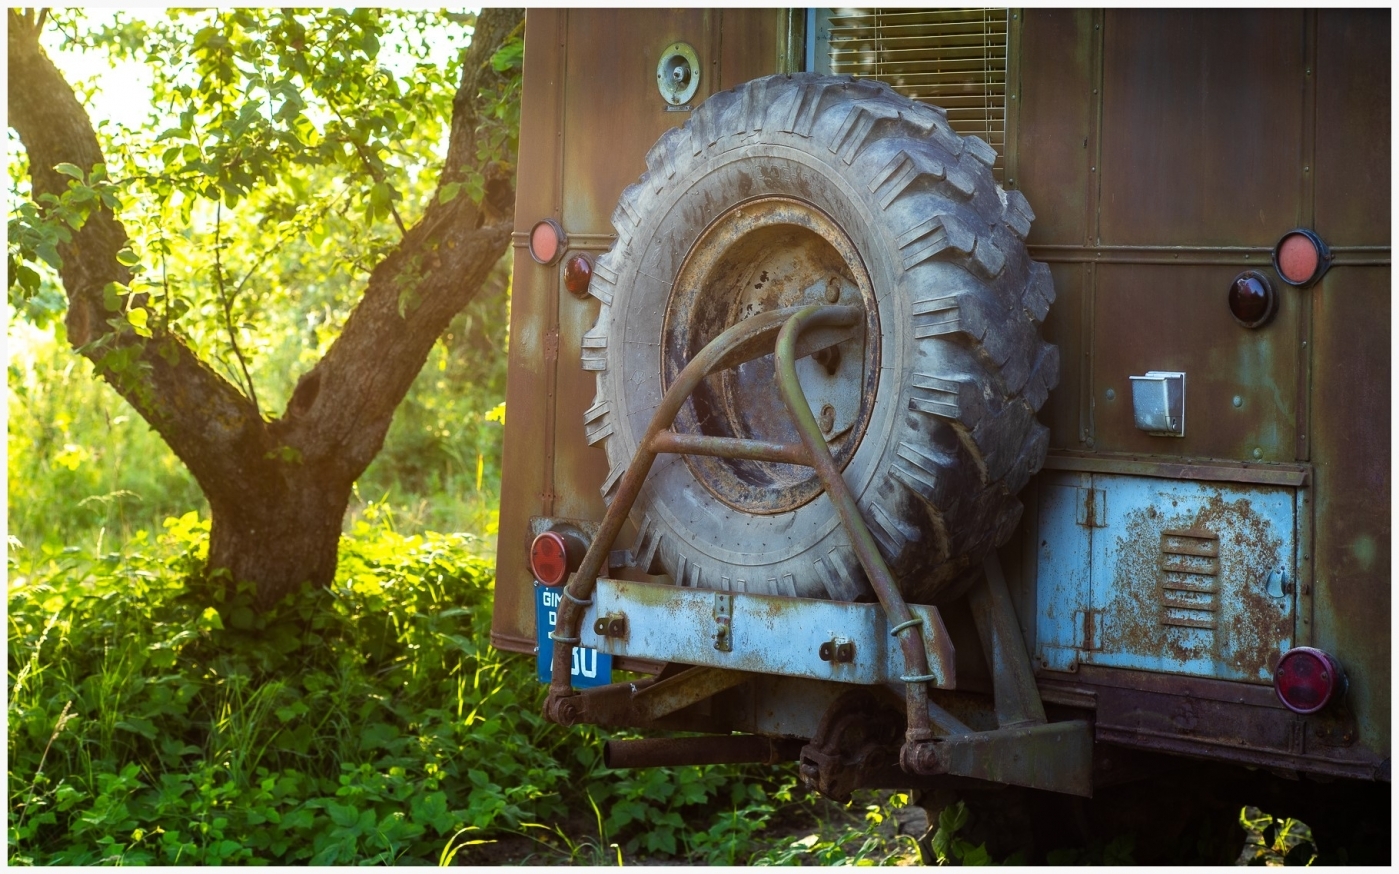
759 256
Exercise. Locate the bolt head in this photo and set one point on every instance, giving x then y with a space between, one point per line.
832 290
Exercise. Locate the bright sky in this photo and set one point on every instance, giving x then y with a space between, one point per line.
122 95
123 91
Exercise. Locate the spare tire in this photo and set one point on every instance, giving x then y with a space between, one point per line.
806 189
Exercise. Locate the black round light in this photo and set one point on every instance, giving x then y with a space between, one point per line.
578 274
1252 300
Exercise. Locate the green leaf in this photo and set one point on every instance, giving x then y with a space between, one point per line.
432 810
127 258
972 855
138 725
138 317
112 295
69 170
342 815
510 56
27 278
48 253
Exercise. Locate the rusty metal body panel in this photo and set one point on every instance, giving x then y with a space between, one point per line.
1165 575
1163 152
1206 136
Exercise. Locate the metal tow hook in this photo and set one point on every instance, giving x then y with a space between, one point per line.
611 625
837 650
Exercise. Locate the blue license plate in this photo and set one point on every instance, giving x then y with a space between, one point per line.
590 667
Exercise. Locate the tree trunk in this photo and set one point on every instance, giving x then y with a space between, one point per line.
278 489
289 538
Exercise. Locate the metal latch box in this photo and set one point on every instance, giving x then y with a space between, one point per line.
1158 403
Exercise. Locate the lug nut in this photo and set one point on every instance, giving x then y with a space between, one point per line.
828 418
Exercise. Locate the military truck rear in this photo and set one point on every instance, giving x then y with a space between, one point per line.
983 394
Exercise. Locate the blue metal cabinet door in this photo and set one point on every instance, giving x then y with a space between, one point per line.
1064 550
1191 577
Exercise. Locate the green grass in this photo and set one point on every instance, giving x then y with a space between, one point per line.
154 722
80 460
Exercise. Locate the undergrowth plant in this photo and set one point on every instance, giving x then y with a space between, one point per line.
1275 841
155 718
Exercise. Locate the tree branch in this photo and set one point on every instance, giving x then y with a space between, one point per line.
227 301
342 407
206 421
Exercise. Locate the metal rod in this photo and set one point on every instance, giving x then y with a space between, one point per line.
729 447
743 341
915 654
719 750
690 686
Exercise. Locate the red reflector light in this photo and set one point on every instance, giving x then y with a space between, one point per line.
1306 679
547 241
1300 257
577 273
1251 299
548 558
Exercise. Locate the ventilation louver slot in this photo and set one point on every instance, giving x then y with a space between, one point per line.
1189 578
953 58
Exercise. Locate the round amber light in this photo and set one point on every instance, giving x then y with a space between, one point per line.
1300 257
577 273
1251 299
546 241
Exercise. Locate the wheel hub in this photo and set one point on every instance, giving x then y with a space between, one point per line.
759 256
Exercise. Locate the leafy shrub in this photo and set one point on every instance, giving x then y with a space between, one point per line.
154 720
354 723
843 840
1274 841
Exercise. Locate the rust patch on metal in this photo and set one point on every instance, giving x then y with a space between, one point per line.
1194 587
762 255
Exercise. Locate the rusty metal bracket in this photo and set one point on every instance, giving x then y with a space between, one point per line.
685 688
837 650
644 700
1057 757
611 625
800 332
723 621
1013 679
857 738
861 540
711 750
764 634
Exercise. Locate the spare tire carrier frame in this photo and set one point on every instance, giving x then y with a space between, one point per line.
743 342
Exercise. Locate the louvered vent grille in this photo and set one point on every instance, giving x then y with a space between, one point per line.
953 58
